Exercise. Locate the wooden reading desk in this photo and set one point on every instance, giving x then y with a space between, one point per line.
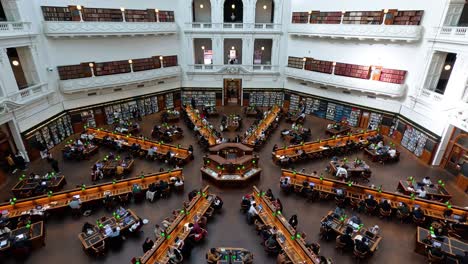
197 208
204 130
294 247
435 192
27 187
339 227
432 209
110 166
265 123
35 233
124 219
449 246
321 148
355 170
90 193
335 131
233 255
180 153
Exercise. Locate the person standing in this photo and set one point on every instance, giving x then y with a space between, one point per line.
11 163
54 164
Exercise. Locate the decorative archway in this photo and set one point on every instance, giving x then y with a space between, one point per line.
233 11
265 11
201 11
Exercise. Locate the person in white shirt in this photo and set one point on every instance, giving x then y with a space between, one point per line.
341 172
4 230
392 153
427 181
251 213
380 145
79 143
421 193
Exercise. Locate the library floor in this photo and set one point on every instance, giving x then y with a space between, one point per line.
229 228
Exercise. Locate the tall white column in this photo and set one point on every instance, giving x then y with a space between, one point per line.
247 50
15 133
7 78
457 82
218 50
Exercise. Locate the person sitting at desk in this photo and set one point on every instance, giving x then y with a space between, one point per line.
151 152
196 232
175 255
385 206
362 246
147 245
115 232
418 213
435 251
4 230
75 203
371 202
421 193
213 256
269 195
285 183
375 230
341 172
314 247
392 153
426 181
347 239
355 219
339 212
87 228
271 244
293 221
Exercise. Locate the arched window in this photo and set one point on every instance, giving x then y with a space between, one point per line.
233 11
264 11
201 11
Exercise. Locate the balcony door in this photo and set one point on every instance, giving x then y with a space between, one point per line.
232 91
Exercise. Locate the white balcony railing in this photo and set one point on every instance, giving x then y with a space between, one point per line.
233 69
450 34
74 28
29 94
348 83
431 96
117 80
233 27
407 33
14 29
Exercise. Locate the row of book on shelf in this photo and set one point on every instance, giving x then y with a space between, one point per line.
72 13
87 69
387 17
376 73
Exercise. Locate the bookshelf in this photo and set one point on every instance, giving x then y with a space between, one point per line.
55 132
374 121
354 117
266 99
300 17
363 17
294 102
331 109
295 62
206 98
166 16
317 17
74 71
102 14
408 17
318 66
144 64
169 101
352 70
134 15
111 67
392 76
56 13
170 61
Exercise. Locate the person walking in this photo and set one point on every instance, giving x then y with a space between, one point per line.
54 164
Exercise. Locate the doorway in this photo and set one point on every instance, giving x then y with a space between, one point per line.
232 91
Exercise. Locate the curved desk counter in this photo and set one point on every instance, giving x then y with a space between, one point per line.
181 154
204 130
321 148
87 194
432 209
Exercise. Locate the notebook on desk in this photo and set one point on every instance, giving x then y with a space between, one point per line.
3 243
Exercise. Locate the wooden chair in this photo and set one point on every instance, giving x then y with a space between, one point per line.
340 245
434 259
99 249
209 212
359 255
402 216
166 193
419 221
370 209
385 214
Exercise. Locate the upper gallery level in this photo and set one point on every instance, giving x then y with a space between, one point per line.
387 24
234 16
77 20
12 24
454 29
88 76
